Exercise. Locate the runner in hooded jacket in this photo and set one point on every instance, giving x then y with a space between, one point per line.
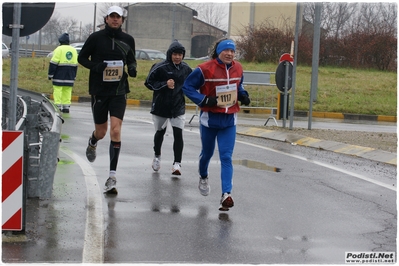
166 79
165 102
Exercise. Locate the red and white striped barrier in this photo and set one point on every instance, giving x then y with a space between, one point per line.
12 180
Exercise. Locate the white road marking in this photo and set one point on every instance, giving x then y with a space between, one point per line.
93 247
388 186
391 187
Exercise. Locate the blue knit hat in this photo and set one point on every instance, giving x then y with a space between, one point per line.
224 45
64 38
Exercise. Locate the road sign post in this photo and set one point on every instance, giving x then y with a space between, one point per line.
284 80
12 180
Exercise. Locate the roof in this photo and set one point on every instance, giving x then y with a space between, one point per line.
195 13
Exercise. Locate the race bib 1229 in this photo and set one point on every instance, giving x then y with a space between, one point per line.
114 71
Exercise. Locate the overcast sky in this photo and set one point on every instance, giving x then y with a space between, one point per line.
82 11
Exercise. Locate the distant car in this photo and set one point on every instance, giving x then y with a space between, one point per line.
77 45
149 54
5 51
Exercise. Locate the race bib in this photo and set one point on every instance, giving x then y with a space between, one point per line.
227 95
114 71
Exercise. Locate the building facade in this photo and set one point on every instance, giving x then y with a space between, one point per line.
156 25
244 14
203 37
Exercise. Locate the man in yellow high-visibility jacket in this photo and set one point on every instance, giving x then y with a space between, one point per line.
62 71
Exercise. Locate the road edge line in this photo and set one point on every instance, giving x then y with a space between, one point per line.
93 246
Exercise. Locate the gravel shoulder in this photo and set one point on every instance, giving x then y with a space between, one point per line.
381 141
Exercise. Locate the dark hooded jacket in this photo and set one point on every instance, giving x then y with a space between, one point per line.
168 102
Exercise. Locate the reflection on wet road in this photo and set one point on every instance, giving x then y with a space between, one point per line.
256 165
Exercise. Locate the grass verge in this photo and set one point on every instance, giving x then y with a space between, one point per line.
342 90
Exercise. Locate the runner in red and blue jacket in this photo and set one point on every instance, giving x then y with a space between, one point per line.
216 87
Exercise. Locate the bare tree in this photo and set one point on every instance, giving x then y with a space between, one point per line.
358 34
214 14
85 31
338 19
334 16
340 13
58 25
389 16
50 31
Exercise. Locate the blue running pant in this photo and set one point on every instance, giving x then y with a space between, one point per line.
225 138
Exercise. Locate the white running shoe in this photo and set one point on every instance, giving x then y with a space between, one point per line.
176 169
204 187
110 186
156 164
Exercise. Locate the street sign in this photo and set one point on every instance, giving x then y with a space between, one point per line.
286 57
33 17
281 74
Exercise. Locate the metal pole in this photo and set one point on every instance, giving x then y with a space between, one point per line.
287 67
252 15
14 66
40 39
315 62
173 22
298 18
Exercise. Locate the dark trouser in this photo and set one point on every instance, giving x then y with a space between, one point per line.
177 143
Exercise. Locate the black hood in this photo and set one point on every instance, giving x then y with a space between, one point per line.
174 47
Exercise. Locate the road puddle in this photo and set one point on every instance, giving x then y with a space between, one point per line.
256 165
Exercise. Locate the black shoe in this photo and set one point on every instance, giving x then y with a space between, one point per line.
91 152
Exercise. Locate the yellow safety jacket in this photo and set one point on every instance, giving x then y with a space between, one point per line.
63 66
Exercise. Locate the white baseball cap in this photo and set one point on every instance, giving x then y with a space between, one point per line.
115 9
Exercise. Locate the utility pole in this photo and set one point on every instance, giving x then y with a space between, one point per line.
16 27
315 62
173 23
95 14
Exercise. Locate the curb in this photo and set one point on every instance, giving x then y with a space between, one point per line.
337 147
296 139
268 110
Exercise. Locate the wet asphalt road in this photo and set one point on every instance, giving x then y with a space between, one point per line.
314 209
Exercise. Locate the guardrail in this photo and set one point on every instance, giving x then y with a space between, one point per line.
261 79
41 122
33 53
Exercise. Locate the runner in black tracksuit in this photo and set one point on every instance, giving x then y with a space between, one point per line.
166 79
108 53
